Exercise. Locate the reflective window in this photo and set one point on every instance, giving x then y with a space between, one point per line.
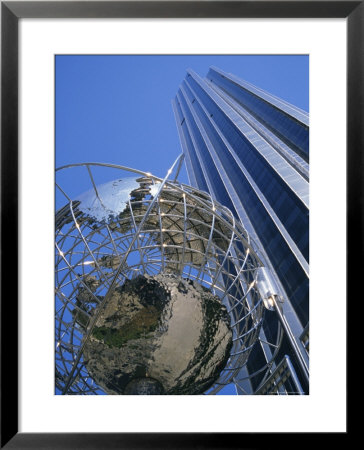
286 127
291 212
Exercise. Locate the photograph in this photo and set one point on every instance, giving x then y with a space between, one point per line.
181 197
158 163
181 224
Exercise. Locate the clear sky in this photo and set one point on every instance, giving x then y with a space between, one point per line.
117 108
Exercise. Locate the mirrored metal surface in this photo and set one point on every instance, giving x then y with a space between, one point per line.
136 227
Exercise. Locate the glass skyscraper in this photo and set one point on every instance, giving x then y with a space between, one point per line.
250 151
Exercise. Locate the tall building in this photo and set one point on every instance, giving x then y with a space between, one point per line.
250 151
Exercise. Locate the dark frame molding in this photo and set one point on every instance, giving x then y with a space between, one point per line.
11 12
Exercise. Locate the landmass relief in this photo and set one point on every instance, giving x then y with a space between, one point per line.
144 321
156 335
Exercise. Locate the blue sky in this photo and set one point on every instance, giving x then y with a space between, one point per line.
117 108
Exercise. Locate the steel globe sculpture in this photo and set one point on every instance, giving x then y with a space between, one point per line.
156 287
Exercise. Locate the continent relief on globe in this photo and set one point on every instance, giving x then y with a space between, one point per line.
156 335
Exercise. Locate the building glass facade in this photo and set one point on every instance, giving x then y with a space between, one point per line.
250 151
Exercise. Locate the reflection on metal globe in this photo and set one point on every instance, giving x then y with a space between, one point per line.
155 289
171 334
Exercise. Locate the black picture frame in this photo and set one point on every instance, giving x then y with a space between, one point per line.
11 12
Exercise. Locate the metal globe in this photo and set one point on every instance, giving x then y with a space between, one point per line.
155 290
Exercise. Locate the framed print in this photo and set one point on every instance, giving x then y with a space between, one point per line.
56 53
